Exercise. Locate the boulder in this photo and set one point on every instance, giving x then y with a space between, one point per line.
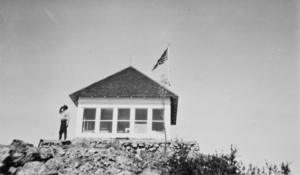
93 151
141 145
4 152
54 164
134 145
153 149
31 154
138 157
12 170
120 160
93 144
60 151
14 158
125 173
82 143
125 144
4 168
102 145
45 153
19 144
31 168
99 171
21 153
112 170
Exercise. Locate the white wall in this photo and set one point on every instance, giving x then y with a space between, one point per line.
115 103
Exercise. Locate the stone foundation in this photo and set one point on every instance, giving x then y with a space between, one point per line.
129 145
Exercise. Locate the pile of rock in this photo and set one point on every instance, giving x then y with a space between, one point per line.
81 157
19 154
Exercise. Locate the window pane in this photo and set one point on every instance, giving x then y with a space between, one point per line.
88 126
105 127
106 114
140 127
89 114
141 114
123 127
124 114
157 114
158 127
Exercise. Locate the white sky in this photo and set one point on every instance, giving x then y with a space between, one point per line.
234 65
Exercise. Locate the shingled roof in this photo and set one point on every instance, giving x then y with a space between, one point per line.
127 83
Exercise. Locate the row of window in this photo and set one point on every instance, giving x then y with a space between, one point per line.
123 120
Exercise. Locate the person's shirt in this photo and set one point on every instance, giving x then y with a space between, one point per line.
65 116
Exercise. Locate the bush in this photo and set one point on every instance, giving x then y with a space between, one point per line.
217 164
180 164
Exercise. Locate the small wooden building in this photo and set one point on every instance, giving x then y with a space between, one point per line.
126 104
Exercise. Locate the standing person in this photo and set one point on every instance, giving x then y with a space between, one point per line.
64 121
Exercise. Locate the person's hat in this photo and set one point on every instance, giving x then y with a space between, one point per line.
64 107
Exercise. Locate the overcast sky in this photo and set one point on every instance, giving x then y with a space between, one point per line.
234 65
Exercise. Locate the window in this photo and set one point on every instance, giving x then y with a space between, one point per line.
140 125
106 120
88 124
157 121
123 121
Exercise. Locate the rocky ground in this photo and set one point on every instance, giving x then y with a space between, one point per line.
82 157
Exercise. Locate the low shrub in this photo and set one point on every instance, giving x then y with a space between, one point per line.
180 163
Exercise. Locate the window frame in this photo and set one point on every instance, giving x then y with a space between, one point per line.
122 120
105 120
158 121
85 121
144 121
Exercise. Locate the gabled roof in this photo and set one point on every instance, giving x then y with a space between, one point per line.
127 83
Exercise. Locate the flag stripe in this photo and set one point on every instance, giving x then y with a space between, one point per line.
162 60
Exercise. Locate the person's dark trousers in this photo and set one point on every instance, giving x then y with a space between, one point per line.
63 129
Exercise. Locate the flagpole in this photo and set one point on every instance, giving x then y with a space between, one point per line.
169 70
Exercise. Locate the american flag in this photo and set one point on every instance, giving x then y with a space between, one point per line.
163 58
